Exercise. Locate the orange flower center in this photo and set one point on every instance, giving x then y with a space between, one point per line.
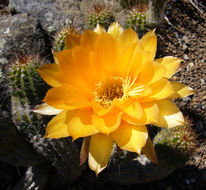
108 90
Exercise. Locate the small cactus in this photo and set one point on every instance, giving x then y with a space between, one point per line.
27 90
100 15
137 20
174 146
59 39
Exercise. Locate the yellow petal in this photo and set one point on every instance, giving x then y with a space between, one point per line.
84 150
48 72
46 109
115 30
99 29
65 60
57 127
55 55
149 43
131 137
99 152
169 114
80 124
133 110
151 112
149 152
181 90
170 63
72 40
160 90
151 73
88 38
107 123
128 37
66 98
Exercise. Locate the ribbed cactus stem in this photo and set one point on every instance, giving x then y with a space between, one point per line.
59 39
99 15
27 90
174 146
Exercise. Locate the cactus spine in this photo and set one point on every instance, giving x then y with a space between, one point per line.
174 146
27 89
59 39
99 15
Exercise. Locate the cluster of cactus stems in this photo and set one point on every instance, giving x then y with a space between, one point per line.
174 146
99 15
27 90
59 39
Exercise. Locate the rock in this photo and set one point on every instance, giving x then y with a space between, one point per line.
63 155
14 149
139 170
53 14
20 34
35 178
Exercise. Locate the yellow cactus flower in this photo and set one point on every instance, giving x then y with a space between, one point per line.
106 87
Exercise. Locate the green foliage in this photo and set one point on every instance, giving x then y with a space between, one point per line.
101 16
174 146
27 90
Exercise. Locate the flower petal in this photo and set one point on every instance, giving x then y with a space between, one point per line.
46 109
88 38
115 30
84 150
149 43
99 152
72 40
171 64
133 110
107 123
149 152
150 114
99 29
151 73
80 124
151 111
131 137
169 115
66 98
48 72
160 90
57 127
181 90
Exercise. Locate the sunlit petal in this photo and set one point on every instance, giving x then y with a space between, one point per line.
170 63
181 90
48 72
46 109
130 137
57 127
169 114
99 152
107 123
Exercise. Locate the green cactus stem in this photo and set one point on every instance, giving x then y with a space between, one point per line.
174 146
100 15
59 39
27 90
